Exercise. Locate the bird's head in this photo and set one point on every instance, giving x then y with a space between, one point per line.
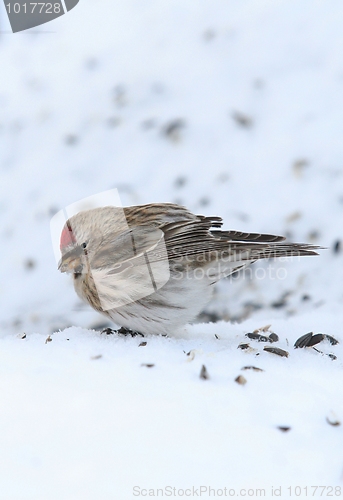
84 236
74 251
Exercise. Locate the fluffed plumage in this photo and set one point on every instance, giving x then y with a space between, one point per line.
152 268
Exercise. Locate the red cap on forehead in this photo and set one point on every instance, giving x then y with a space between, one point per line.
67 237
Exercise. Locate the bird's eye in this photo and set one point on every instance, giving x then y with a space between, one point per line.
84 245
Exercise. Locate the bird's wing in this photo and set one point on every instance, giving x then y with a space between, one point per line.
197 237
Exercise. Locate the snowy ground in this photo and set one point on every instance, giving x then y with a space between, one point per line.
232 108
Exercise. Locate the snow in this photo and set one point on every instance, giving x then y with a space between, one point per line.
256 92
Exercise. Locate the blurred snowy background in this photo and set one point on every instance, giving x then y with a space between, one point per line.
232 108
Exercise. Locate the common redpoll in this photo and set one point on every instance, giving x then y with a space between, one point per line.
152 268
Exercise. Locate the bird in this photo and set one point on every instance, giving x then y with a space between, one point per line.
152 268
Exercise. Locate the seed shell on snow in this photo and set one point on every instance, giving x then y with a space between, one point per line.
204 373
255 368
241 380
273 337
243 346
277 350
310 339
257 336
303 341
48 339
191 354
148 365
316 339
142 344
332 419
262 329
330 355
284 428
331 339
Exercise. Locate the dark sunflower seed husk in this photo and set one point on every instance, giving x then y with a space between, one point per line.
273 337
243 346
204 373
303 340
241 380
332 340
257 336
315 339
277 350
255 368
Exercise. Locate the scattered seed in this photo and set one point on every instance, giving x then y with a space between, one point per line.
98 356
48 339
23 336
242 119
332 356
262 329
109 331
127 331
273 337
257 336
71 139
337 246
255 368
29 263
284 428
310 340
278 304
333 420
191 354
241 380
142 344
243 346
315 339
293 217
303 340
204 373
299 166
204 201
209 35
209 317
277 350
172 130
180 181
148 365
332 340
216 336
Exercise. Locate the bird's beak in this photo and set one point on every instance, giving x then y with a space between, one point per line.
70 260
63 266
